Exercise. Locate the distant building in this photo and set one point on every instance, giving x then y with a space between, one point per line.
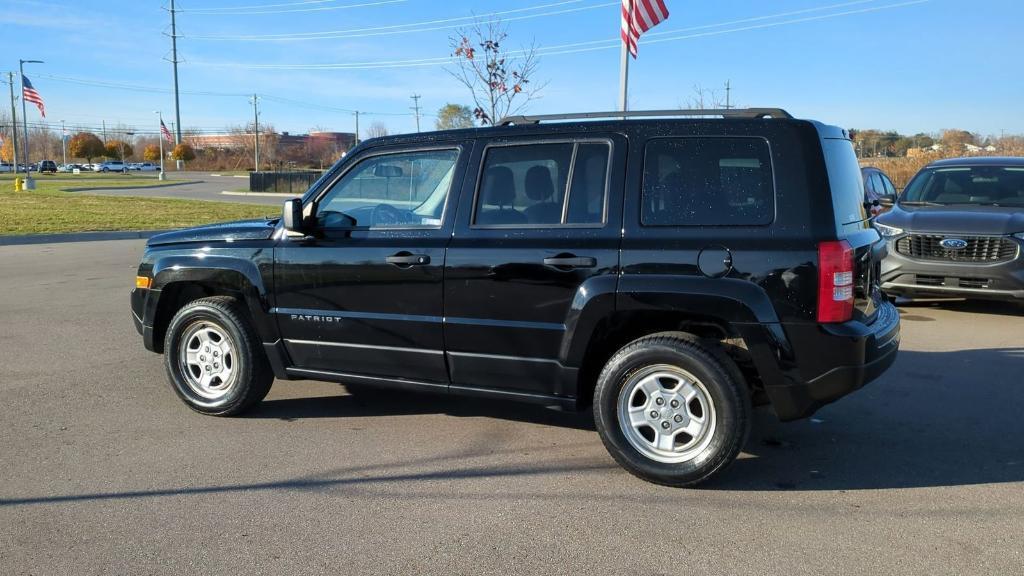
342 141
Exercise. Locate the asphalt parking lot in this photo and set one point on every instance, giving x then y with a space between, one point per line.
104 471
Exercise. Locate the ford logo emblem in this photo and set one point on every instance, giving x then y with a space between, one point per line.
954 243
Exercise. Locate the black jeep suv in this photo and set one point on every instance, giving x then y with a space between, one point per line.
670 272
957 230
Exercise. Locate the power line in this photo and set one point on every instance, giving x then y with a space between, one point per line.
422 26
230 12
572 48
153 89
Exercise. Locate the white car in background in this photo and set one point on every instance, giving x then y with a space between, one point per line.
5 167
147 167
111 166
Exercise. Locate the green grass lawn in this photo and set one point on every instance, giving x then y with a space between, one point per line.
49 210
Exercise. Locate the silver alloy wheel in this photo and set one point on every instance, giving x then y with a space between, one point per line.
666 413
207 359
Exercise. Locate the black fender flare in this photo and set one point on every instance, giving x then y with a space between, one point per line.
738 304
223 272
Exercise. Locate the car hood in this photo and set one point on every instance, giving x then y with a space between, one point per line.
981 220
227 232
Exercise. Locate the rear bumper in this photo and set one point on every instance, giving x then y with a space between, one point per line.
903 276
835 360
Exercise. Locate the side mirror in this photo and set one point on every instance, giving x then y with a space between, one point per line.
887 200
387 171
292 215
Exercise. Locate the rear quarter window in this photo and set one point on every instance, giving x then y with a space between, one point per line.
845 180
708 181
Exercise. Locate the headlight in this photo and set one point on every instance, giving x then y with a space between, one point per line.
1019 235
888 231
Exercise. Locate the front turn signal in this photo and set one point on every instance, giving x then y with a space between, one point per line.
143 282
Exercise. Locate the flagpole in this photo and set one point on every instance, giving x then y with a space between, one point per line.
624 66
160 128
29 184
24 125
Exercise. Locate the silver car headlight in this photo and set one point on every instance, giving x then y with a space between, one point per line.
888 231
1019 235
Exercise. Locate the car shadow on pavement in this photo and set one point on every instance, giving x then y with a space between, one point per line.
935 419
365 401
994 307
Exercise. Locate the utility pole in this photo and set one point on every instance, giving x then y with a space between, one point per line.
357 127
256 127
104 131
63 142
29 184
416 109
174 63
728 94
14 124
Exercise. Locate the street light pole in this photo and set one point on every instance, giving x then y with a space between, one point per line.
64 143
29 184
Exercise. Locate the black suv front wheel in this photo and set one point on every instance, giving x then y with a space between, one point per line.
672 410
213 357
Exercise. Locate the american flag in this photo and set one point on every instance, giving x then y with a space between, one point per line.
639 16
165 132
30 95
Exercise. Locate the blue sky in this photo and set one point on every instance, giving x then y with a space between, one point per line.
908 65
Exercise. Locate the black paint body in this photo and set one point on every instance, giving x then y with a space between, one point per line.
485 315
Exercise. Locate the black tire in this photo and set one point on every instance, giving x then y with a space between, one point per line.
722 382
254 377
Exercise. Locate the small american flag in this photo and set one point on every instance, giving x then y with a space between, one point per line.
30 95
165 132
639 16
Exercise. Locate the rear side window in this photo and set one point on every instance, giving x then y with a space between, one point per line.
845 180
543 184
707 181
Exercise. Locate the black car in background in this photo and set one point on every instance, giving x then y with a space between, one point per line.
958 230
879 192
47 166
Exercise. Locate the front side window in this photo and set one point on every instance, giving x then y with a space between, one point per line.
400 190
543 184
707 181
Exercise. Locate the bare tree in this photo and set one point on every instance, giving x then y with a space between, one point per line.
703 99
376 130
500 81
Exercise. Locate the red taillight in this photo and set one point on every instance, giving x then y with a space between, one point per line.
835 281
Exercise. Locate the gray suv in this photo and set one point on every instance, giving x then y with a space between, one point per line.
958 230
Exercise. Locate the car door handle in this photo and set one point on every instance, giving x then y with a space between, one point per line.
570 261
403 259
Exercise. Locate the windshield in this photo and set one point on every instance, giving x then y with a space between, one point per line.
980 185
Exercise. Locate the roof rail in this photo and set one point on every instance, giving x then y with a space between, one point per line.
750 113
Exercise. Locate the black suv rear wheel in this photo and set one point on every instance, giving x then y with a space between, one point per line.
213 357
672 410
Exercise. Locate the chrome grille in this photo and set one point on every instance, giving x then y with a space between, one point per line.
978 249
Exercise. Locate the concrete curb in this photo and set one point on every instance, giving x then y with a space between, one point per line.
77 237
143 187
281 195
